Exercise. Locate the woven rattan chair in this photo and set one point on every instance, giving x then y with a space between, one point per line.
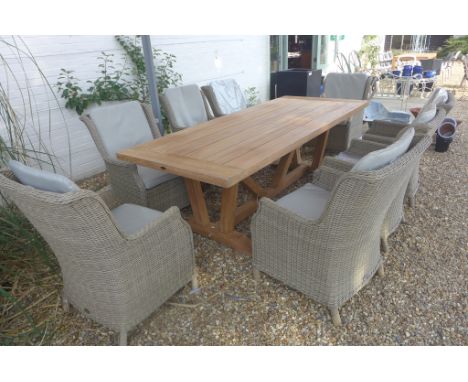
331 257
387 131
119 263
347 86
185 106
333 167
118 126
359 148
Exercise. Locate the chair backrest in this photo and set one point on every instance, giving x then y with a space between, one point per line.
380 158
225 96
120 125
76 225
430 107
354 216
184 106
42 180
346 85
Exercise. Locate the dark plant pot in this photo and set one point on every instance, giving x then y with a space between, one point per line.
442 144
444 136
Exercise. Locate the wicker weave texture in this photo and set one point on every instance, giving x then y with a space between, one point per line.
332 258
114 279
395 213
127 183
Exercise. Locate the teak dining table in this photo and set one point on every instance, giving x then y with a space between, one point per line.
228 150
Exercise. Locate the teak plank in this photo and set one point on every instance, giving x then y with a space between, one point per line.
227 150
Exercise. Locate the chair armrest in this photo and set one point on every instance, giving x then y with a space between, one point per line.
327 175
126 182
363 147
170 221
386 128
423 129
120 163
378 139
335 163
108 196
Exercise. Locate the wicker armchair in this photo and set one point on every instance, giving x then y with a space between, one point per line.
332 257
119 263
359 148
333 167
119 126
386 131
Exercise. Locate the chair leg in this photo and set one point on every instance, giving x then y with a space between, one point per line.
335 315
195 280
380 271
123 338
384 242
256 274
65 304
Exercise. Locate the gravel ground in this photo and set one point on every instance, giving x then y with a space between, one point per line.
422 300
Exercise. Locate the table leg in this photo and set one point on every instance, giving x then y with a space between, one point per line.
320 146
222 231
297 159
282 169
197 201
228 208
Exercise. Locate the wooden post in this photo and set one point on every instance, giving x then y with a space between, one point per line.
228 208
197 201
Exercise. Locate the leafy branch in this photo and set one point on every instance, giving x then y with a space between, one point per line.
126 81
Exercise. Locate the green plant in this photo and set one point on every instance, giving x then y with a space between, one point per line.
454 44
369 53
24 255
251 94
125 81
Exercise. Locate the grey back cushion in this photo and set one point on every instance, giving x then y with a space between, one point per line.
380 158
427 113
42 180
439 96
184 106
121 126
226 96
346 85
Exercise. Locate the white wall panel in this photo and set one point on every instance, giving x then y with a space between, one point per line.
199 60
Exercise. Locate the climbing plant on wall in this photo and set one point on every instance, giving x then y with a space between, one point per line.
118 81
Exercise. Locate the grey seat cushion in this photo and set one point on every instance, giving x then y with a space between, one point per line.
151 178
121 126
345 85
184 106
309 201
42 180
380 158
377 111
131 218
225 96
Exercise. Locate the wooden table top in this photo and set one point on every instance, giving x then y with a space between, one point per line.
226 150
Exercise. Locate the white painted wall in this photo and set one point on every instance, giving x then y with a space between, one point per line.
200 59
